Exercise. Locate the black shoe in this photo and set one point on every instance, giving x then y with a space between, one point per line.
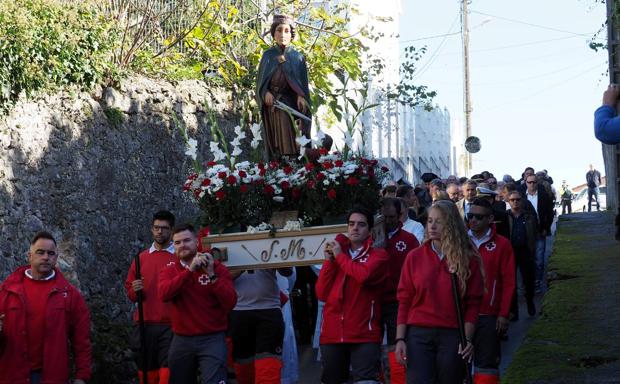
531 308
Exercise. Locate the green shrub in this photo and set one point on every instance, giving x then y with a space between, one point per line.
48 43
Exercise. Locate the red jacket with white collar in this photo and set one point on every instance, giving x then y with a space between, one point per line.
352 289
499 268
397 247
151 263
67 319
425 291
199 306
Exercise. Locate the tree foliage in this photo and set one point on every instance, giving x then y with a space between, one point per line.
225 44
46 44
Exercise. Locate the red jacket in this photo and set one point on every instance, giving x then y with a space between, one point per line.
199 306
499 269
425 291
67 320
397 247
352 290
155 310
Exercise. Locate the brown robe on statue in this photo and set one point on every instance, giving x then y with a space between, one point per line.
279 130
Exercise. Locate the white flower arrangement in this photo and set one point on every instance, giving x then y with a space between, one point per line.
293 225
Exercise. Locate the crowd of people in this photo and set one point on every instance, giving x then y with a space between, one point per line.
438 292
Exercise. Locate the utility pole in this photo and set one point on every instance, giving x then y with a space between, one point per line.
611 153
466 80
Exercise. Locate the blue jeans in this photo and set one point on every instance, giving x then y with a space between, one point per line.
593 192
541 258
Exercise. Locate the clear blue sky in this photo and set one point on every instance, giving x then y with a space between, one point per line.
535 82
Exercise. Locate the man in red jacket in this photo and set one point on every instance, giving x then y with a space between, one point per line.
398 244
499 267
351 285
202 295
41 314
156 313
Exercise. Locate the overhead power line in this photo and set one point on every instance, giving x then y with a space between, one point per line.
543 90
429 37
532 24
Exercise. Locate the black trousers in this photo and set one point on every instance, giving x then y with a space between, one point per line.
363 358
157 339
487 345
256 334
526 265
432 356
389 315
567 204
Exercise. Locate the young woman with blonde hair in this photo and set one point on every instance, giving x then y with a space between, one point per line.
427 336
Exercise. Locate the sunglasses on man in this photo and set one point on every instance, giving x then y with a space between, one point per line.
477 216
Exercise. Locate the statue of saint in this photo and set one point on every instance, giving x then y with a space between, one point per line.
283 79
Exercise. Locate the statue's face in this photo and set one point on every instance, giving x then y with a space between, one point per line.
282 34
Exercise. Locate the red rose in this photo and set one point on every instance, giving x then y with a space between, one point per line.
296 193
339 163
206 182
364 161
287 170
309 167
373 162
243 188
197 193
211 164
187 186
310 184
220 195
323 151
242 174
385 169
193 176
352 180
274 164
221 175
262 171
331 194
371 172
285 185
269 190
320 176
232 180
261 165
260 182
328 165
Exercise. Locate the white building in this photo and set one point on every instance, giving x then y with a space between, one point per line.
426 141
411 141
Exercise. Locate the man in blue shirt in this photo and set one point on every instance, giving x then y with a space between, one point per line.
606 123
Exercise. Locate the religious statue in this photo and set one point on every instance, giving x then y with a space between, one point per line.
282 92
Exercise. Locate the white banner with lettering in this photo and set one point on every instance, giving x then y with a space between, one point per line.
272 249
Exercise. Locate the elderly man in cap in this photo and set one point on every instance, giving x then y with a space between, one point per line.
499 209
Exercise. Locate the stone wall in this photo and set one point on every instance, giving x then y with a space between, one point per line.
92 168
